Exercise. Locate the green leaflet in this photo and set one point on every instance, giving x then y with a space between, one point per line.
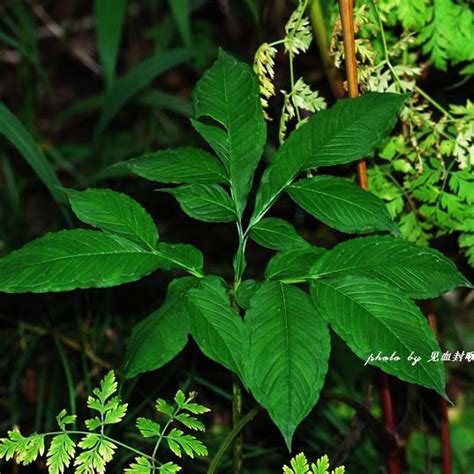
346 132
12 129
286 359
179 165
374 317
163 334
342 205
276 234
228 93
72 259
183 256
109 16
114 212
139 77
79 258
208 203
215 326
293 264
419 272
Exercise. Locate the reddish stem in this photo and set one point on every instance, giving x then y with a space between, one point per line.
394 463
443 409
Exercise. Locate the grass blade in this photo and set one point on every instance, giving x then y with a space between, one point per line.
181 11
12 129
109 16
139 77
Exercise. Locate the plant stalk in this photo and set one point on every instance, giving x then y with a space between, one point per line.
444 435
320 35
394 464
237 448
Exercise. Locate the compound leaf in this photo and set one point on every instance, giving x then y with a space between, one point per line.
346 132
353 128
228 93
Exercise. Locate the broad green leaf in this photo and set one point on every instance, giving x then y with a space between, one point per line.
181 13
179 165
109 15
114 212
374 317
353 128
208 203
12 129
215 326
286 359
346 132
139 77
294 264
342 205
162 335
276 234
183 256
419 272
72 259
228 93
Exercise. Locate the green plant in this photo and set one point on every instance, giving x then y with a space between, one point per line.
362 288
299 465
96 448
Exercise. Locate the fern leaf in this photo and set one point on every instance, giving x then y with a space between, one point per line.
60 453
178 442
148 428
141 466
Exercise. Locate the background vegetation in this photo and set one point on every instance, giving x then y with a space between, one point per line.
84 87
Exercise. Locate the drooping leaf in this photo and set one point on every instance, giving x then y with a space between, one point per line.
72 259
208 203
375 318
162 335
346 132
286 359
13 131
109 15
293 264
276 234
215 326
114 212
228 93
342 205
419 272
180 165
139 77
